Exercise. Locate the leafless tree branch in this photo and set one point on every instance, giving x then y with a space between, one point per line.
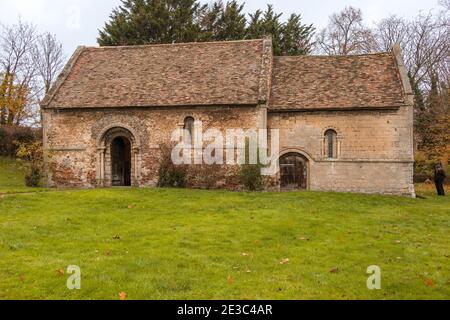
29 63
345 34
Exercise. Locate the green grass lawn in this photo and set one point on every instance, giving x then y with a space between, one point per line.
190 244
12 176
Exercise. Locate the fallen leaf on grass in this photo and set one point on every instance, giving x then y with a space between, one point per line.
429 283
130 206
230 280
22 278
60 271
334 270
284 261
122 296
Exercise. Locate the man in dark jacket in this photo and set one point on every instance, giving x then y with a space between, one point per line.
439 178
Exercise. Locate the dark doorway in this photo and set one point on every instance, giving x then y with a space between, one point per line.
293 171
121 162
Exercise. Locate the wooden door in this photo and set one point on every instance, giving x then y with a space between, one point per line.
293 172
121 162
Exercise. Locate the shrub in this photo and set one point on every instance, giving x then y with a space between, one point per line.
169 174
33 178
250 174
251 178
33 155
12 136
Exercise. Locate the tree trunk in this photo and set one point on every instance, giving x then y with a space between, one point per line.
2 115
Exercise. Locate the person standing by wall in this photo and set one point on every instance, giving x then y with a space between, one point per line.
439 178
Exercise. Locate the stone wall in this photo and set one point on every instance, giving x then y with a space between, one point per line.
375 148
74 139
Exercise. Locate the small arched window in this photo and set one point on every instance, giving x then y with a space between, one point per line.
189 127
331 144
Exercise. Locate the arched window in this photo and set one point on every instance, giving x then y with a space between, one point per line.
189 127
331 146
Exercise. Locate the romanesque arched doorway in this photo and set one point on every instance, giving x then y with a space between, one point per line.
293 171
121 162
118 157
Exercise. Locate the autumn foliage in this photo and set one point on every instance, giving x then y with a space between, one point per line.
14 98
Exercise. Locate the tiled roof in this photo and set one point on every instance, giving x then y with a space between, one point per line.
336 82
225 73
214 73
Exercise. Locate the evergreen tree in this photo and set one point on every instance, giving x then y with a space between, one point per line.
266 24
290 38
208 20
232 22
255 27
169 21
220 22
296 37
151 21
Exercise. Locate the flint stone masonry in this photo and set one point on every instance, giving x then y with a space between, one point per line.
153 128
144 93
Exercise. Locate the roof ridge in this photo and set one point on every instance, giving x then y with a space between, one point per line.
172 44
335 56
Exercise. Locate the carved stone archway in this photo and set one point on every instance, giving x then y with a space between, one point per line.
104 154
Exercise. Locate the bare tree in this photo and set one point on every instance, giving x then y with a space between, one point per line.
445 4
48 58
345 34
390 31
425 42
16 42
428 47
29 63
17 70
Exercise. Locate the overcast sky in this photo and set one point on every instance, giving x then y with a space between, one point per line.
76 22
